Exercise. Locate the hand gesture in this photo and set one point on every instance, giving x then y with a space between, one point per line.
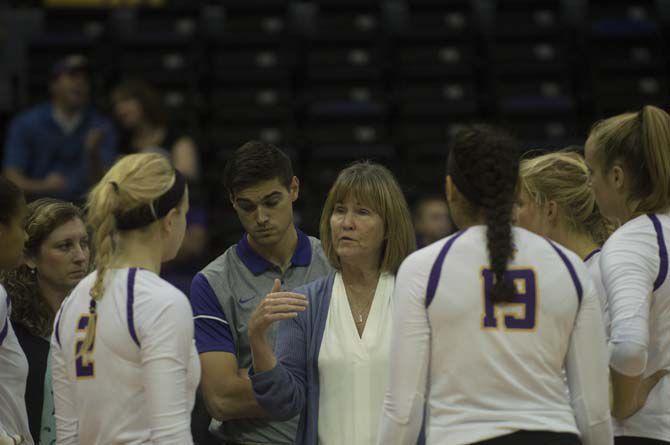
648 385
274 307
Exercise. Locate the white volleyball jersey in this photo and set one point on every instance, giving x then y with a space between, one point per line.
13 375
634 265
592 262
487 370
137 384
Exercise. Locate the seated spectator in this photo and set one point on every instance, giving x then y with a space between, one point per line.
61 147
56 258
142 118
431 220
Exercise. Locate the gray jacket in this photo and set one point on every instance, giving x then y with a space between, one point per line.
292 387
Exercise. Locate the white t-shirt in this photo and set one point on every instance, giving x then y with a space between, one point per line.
13 375
592 262
137 385
353 370
634 265
485 370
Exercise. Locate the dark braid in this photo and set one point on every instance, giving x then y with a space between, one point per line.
488 159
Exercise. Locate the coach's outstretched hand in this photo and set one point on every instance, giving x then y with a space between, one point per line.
274 307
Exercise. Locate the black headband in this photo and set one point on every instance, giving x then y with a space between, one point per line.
143 215
462 184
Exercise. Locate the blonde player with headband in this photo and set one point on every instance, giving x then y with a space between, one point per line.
125 368
629 159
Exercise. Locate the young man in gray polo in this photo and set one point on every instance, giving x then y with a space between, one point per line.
262 188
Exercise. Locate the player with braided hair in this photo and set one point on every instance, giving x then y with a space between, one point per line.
124 364
486 320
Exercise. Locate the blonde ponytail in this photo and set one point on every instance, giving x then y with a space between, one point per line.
656 144
641 142
135 180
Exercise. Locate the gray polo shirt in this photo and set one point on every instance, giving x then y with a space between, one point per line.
223 296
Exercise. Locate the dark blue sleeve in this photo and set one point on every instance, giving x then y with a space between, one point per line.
212 331
282 391
16 146
109 144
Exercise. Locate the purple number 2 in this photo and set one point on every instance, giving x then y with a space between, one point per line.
84 365
526 296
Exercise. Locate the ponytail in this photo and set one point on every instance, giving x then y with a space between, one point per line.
134 181
641 142
655 128
486 160
498 216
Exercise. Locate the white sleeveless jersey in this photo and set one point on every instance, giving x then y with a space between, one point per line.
592 262
634 265
13 375
137 384
487 370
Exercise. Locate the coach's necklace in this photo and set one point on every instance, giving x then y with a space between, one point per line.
361 314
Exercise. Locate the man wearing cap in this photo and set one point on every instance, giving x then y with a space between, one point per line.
61 147
262 188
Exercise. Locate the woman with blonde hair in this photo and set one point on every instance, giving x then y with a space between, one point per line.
56 258
556 201
125 368
629 159
332 349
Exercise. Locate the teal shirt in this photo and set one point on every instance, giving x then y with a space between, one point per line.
48 432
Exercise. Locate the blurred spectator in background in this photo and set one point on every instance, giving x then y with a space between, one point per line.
142 117
56 258
431 220
139 110
61 147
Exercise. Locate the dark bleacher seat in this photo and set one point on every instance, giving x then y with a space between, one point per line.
62 32
255 103
231 64
344 102
628 58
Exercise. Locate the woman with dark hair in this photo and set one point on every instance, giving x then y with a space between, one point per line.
486 320
139 110
13 363
56 258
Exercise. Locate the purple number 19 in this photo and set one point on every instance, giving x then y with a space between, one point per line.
525 296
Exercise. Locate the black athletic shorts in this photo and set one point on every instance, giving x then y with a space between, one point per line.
534 438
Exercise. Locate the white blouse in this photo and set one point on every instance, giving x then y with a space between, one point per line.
353 370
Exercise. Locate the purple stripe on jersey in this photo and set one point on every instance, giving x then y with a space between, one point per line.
129 306
662 252
590 255
56 328
4 331
571 269
436 271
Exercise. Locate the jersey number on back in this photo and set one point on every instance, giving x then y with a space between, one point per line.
520 313
84 365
